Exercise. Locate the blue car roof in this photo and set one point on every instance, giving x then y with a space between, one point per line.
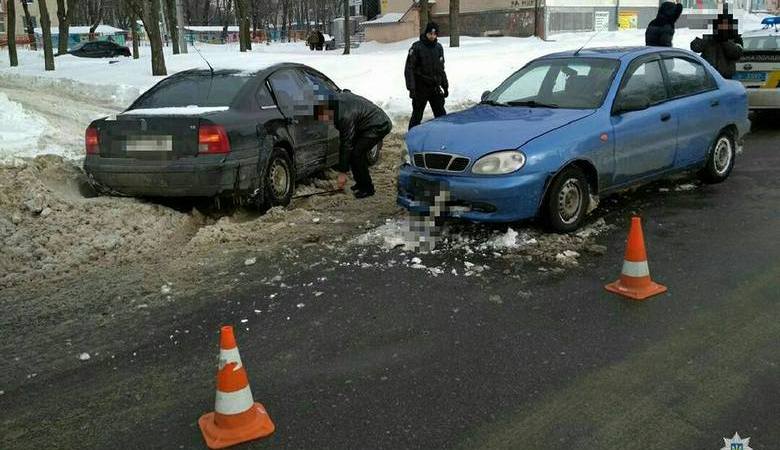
606 52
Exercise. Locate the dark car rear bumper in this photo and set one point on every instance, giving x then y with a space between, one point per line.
187 177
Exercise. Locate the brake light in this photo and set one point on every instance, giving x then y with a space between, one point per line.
213 139
92 141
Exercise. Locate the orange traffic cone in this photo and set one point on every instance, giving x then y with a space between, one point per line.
635 282
237 417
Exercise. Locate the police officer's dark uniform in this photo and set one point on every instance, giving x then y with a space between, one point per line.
426 79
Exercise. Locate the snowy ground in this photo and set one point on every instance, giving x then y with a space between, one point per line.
374 71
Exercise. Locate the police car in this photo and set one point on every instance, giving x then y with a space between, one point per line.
759 67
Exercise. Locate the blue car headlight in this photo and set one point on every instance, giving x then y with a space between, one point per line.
499 163
405 160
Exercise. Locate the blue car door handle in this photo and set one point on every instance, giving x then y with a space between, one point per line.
714 103
665 117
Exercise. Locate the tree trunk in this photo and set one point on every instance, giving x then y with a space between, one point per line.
151 19
424 14
11 32
48 53
454 23
96 19
206 10
173 24
346 27
134 33
28 26
240 13
64 27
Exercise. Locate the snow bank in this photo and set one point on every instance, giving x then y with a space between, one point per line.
18 129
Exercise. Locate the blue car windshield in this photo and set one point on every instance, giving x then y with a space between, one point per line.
570 83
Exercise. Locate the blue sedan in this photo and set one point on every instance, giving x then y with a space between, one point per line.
571 125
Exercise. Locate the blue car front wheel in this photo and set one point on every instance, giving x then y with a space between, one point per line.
567 200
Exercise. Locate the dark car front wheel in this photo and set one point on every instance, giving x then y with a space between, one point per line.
279 182
567 200
720 160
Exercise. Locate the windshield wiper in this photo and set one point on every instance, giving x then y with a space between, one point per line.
533 104
492 103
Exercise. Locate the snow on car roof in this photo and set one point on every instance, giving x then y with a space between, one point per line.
176 111
101 29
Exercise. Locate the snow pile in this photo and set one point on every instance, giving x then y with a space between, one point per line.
20 130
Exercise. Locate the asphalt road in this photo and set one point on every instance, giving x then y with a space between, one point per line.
391 357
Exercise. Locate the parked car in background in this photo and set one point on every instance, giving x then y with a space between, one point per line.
99 49
247 135
759 67
575 124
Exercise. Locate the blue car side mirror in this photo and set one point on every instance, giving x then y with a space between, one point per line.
485 95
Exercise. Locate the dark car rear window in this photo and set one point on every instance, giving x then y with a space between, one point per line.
194 89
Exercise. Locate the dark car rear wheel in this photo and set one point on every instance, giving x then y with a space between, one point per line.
279 182
720 160
375 154
567 200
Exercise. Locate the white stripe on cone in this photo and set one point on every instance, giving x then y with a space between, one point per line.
635 269
229 403
227 356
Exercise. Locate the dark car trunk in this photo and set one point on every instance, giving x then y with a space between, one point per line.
159 138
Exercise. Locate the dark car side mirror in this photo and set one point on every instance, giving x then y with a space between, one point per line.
630 103
485 95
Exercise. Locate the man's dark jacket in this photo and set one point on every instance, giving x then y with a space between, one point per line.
721 52
425 75
356 117
660 31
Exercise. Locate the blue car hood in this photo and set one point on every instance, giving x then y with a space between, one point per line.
484 129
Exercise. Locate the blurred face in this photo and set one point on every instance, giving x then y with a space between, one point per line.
432 36
724 25
324 114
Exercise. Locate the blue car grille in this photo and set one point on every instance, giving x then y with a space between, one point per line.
441 161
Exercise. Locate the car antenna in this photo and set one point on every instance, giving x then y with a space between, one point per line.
203 58
586 43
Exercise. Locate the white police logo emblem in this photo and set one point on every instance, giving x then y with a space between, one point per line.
736 443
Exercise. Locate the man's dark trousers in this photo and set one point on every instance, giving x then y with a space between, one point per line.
418 108
358 162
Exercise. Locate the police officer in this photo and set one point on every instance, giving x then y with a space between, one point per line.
426 79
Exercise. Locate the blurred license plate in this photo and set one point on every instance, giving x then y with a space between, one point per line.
149 144
750 76
425 190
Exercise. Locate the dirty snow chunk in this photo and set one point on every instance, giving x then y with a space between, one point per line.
435 271
250 261
571 254
416 260
318 293
594 229
316 220
507 240
165 289
455 272
2 392
84 357
418 266
496 299
257 311
685 187
300 305
468 265
663 189
244 320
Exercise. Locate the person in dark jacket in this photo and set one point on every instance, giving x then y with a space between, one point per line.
723 48
426 79
660 31
361 125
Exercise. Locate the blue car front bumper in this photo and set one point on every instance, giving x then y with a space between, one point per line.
483 199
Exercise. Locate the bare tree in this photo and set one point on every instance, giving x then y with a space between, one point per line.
346 27
242 15
28 26
65 13
454 23
95 10
48 53
424 14
173 24
149 12
11 32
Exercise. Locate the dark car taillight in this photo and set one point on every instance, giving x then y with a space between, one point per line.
92 141
213 139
